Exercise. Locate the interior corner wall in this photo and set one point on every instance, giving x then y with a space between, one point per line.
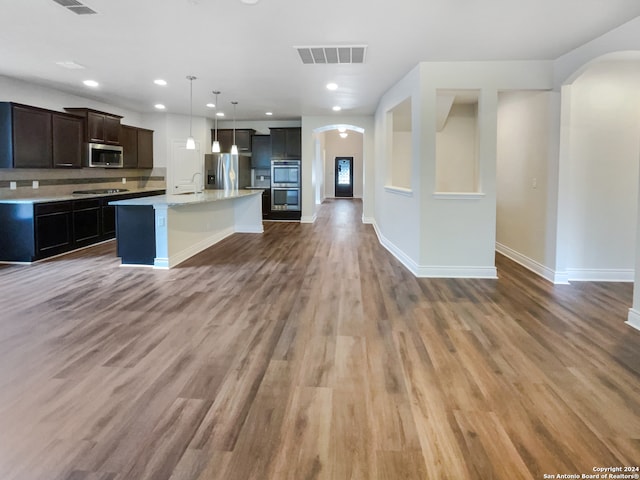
336 146
603 177
397 213
524 182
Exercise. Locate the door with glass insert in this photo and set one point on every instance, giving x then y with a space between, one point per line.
344 176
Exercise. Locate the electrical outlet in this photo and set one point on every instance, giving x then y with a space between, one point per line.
13 185
35 184
124 179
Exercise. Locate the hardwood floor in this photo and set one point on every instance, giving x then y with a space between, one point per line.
309 352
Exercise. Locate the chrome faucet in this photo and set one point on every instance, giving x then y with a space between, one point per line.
197 188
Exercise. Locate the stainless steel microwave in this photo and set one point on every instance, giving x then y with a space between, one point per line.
105 156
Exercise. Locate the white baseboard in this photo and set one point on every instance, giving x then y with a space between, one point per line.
430 271
530 264
368 220
600 275
249 228
309 219
633 319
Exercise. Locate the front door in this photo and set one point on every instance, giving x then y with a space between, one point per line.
344 176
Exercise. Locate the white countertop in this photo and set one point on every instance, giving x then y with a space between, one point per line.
187 198
62 198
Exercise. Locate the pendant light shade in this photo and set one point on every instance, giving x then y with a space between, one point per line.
234 147
215 146
191 142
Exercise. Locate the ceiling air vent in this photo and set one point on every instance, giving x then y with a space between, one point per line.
76 7
332 54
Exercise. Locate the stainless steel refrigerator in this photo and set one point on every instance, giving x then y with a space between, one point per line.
227 172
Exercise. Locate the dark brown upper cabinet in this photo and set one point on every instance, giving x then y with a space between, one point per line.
137 147
101 127
67 140
261 152
286 143
32 137
145 148
243 139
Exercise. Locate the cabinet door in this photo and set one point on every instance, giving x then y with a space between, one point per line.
67 140
54 231
225 137
145 148
86 221
95 125
243 141
111 130
108 220
294 143
31 138
266 204
261 152
129 139
278 143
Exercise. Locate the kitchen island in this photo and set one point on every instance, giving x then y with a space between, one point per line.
164 230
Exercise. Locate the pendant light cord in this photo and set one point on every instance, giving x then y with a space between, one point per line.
215 118
234 121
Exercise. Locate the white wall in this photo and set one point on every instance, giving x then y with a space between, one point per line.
456 150
603 172
19 91
525 178
335 146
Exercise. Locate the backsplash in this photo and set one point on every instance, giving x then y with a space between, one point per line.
63 182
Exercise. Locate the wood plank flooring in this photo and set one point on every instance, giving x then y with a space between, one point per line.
309 352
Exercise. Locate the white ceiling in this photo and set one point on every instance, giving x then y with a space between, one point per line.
247 51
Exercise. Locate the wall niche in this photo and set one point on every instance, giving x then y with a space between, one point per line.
457 141
400 156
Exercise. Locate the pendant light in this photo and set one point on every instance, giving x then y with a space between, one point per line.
191 142
215 146
234 147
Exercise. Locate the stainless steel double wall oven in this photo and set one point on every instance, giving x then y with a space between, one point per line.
285 185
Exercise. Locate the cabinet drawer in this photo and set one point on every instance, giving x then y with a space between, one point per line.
53 207
86 204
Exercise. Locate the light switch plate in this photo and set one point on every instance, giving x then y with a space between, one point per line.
124 179
35 184
13 185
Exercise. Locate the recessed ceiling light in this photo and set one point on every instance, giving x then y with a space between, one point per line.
159 106
342 129
220 114
211 105
91 83
249 2
337 108
268 113
344 134
332 86
160 82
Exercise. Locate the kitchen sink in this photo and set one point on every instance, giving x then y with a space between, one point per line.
100 191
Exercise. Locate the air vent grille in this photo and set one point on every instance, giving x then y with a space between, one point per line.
332 54
76 7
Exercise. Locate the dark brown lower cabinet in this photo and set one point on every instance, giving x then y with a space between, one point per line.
86 222
32 232
266 203
53 229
